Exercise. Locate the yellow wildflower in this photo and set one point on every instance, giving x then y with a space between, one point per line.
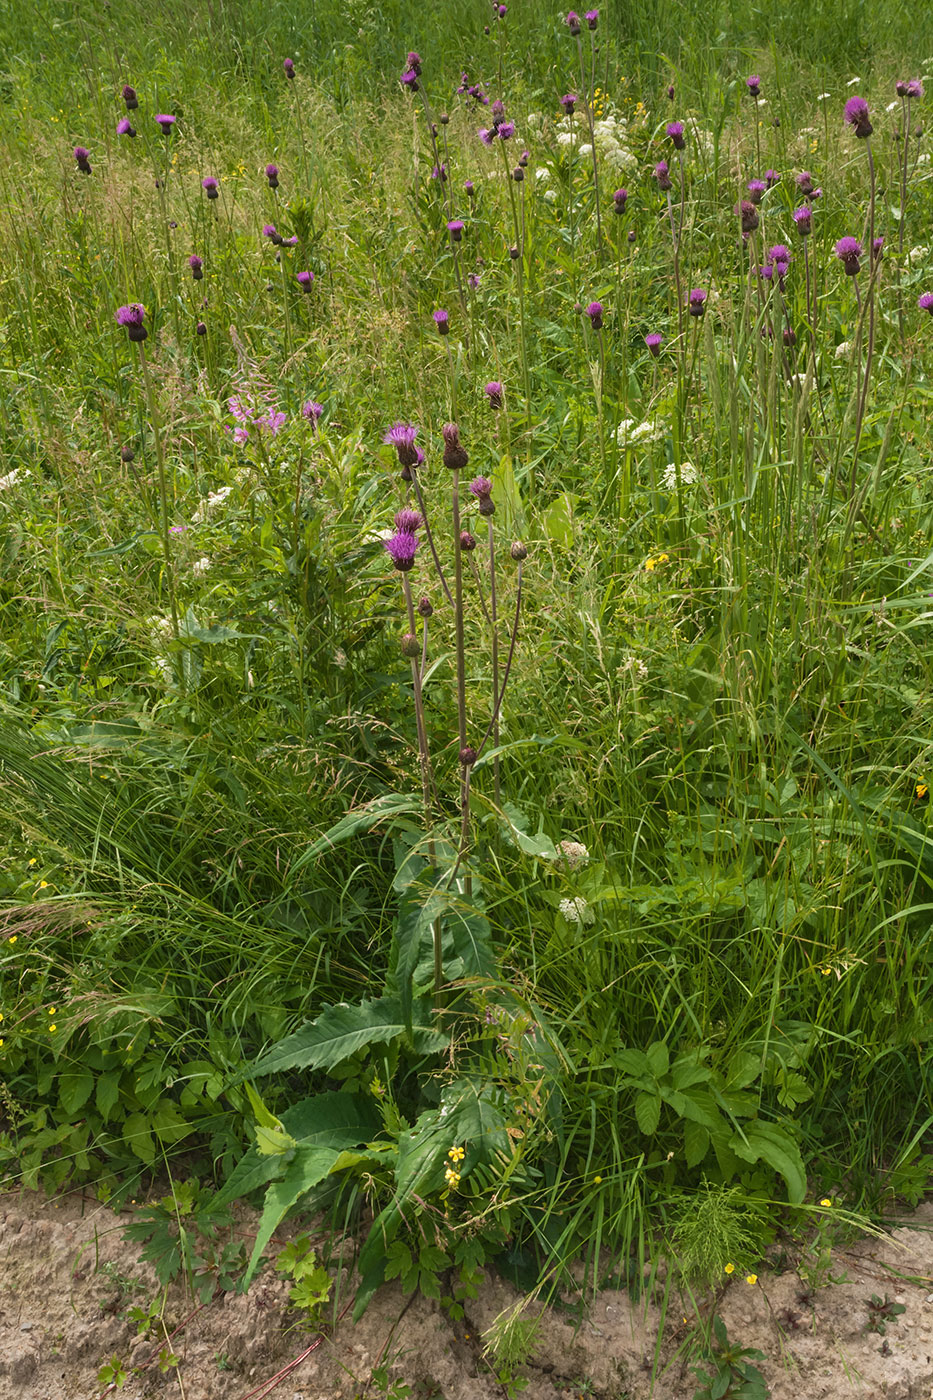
730 1268
825 1201
921 790
597 1180
12 938
31 862
456 1154
43 884
751 1279
51 1010
52 1028
452 1178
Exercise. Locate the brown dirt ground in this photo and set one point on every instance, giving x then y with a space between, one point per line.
67 1278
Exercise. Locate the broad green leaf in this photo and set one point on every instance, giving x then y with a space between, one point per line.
648 1112
309 1166
75 1088
696 1143
338 1032
766 1142
107 1093
658 1059
338 1121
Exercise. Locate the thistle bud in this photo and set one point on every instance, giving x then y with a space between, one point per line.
410 645
426 607
468 756
455 454
467 541
518 551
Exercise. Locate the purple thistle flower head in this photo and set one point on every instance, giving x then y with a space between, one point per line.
592 18
473 280
856 116
468 188
756 190
402 436
696 302
455 229
486 136
481 486
498 108
803 218
312 411
493 392
401 548
271 232
619 200
304 280
569 103
925 302
409 80
506 131
805 183
772 178
848 250
779 253
81 154
877 246
440 173
915 88
289 67
501 11
595 313
132 318
662 175
675 131
408 521
413 60
290 242
455 454
125 127
748 214
900 87
196 264
753 83
442 321
272 175
201 328
130 98
467 544
209 186
654 341
166 122
670 91
573 23
766 272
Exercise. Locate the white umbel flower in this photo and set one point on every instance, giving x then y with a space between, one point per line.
577 911
688 475
574 853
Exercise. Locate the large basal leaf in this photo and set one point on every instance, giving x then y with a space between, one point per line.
766 1142
334 1121
384 808
339 1031
309 1166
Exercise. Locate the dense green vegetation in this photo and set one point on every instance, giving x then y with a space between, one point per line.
226 871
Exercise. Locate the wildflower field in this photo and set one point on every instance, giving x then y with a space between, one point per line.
465 711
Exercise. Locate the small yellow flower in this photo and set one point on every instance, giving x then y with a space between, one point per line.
31 862
1 1039
12 938
452 1178
51 1028
921 790
1 1015
51 1010
43 884
730 1268
824 1202
751 1279
456 1154
597 1180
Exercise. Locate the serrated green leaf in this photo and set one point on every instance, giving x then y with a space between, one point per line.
658 1058
696 1143
339 1031
75 1088
648 1112
766 1142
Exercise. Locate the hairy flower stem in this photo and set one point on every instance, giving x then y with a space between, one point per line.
520 274
494 623
461 668
588 108
430 537
427 776
508 663
163 490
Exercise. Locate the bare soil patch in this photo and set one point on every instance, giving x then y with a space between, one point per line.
68 1279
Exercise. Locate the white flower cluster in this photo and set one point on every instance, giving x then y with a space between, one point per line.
577 911
11 478
214 499
632 434
843 350
688 475
200 567
574 854
611 137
